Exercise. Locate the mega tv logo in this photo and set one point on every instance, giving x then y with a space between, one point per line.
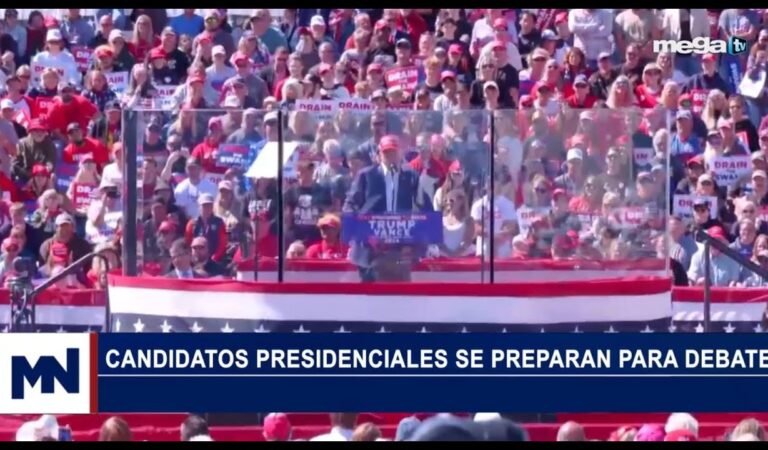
701 46
45 374
47 371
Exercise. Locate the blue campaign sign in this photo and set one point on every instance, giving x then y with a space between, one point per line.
430 372
393 228
233 156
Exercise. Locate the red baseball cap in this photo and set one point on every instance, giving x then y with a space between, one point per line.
456 49
716 232
374 67
455 166
558 192
156 53
167 225
238 57
39 170
709 57
561 17
304 31
389 142
381 23
36 125
276 427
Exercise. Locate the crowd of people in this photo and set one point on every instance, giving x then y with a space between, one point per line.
586 143
276 427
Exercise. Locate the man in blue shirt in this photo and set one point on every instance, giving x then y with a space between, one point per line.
188 23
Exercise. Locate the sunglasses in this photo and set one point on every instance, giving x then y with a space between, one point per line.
198 247
748 211
541 190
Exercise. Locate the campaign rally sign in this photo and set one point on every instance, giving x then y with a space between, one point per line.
632 217
698 99
682 205
393 228
232 156
326 109
165 96
728 169
82 194
117 81
642 156
405 77
37 72
526 215
82 56
65 172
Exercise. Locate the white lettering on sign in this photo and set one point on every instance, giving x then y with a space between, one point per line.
390 231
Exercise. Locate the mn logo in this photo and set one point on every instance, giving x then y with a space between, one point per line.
47 370
736 45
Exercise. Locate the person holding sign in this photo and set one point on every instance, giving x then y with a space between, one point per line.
55 56
84 185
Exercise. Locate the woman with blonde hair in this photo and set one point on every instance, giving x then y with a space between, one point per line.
44 217
228 207
140 87
144 38
292 90
188 128
458 226
620 94
715 107
85 182
666 63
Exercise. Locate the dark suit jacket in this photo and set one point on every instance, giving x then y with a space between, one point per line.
368 192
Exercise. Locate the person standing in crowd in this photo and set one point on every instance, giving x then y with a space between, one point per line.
181 258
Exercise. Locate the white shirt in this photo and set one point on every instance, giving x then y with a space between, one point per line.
106 231
391 182
504 211
64 63
187 193
337 434
513 54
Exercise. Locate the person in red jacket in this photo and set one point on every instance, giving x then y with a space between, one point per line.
68 108
413 24
206 151
581 98
330 247
81 148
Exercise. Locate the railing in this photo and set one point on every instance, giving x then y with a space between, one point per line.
710 242
23 294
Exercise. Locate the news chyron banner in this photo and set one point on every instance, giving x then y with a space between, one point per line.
308 372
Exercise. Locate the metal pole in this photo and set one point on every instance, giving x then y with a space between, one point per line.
130 193
707 285
280 215
492 200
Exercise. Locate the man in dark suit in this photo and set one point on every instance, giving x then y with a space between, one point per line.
387 187
181 257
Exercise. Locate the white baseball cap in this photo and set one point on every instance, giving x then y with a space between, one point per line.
6 103
53 34
574 153
218 50
317 20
